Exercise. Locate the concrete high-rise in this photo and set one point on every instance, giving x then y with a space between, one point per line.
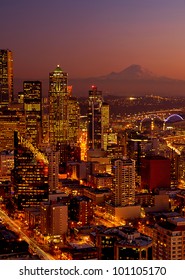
6 77
54 218
123 171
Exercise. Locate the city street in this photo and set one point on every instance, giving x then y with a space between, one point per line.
32 244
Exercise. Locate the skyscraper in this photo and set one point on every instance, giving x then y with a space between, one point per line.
45 120
124 182
105 110
105 117
30 174
33 110
53 168
58 98
94 137
6 77
73 109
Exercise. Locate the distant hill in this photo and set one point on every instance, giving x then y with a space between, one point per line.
134 80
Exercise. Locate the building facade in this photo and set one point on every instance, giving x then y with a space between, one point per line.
6 77
29 176
123 171
94 124
54 218
58 100
123 243
81 210
169 239
152 165
33 110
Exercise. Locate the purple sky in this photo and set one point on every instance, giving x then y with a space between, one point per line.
92 38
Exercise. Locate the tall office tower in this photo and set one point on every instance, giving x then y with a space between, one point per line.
45 120
30 174
58 98
53 168
83 137
73 109
94 129
123 171
105 115
33 110
6 77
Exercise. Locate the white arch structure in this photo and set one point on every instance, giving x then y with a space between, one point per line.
153 116
173 115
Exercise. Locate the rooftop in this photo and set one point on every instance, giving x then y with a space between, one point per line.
127 236
179 221
173 224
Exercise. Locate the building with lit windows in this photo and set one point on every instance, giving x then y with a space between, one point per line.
83 137
30 175
122 204
81 210
53 168
45 120
123 171
6 77
64 118
169 239
102 180
58 100
54 218
122 243
105 112
6 163
83 251
94 125
33 110
73 109
10 121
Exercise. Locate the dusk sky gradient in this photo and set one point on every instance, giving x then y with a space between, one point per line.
93 38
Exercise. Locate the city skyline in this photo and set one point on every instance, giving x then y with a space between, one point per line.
101 177
94 38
